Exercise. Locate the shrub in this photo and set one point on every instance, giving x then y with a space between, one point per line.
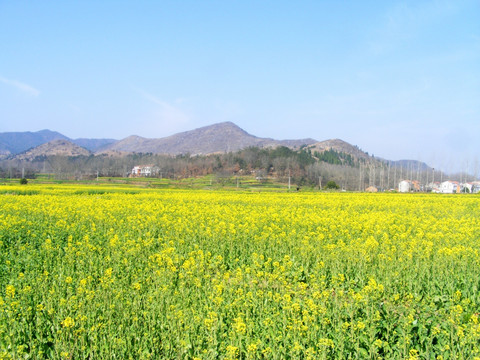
332 185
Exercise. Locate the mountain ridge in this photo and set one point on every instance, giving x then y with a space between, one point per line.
17 142
14 143
59 147
339 146
217 138
220 137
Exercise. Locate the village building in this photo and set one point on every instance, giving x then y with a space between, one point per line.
433 187
450 187
471 187
144 170
404 186
409 185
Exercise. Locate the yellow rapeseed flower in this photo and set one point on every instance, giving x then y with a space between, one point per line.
68 322
10 291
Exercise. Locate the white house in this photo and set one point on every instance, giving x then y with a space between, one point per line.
136 171
143 170
404 186
473 187
409 185
449 187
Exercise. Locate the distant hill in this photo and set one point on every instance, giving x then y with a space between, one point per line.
12 143
17 142
344 147
217 138
94 145
339 146
54 147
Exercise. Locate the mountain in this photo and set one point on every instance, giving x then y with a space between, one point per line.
339 146
94 145
54 147
17 142
217 138
12 143
344 147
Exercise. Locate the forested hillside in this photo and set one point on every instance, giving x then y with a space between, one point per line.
303 167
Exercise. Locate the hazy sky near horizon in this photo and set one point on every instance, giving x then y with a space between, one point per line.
400 79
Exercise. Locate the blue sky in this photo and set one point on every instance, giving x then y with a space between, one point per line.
399 79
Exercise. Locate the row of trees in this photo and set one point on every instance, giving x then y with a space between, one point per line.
301 167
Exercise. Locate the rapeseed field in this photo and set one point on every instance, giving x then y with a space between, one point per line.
113 273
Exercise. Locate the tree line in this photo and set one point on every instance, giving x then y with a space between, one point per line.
301 167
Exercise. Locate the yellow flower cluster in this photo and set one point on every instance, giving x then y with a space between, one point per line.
110 272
